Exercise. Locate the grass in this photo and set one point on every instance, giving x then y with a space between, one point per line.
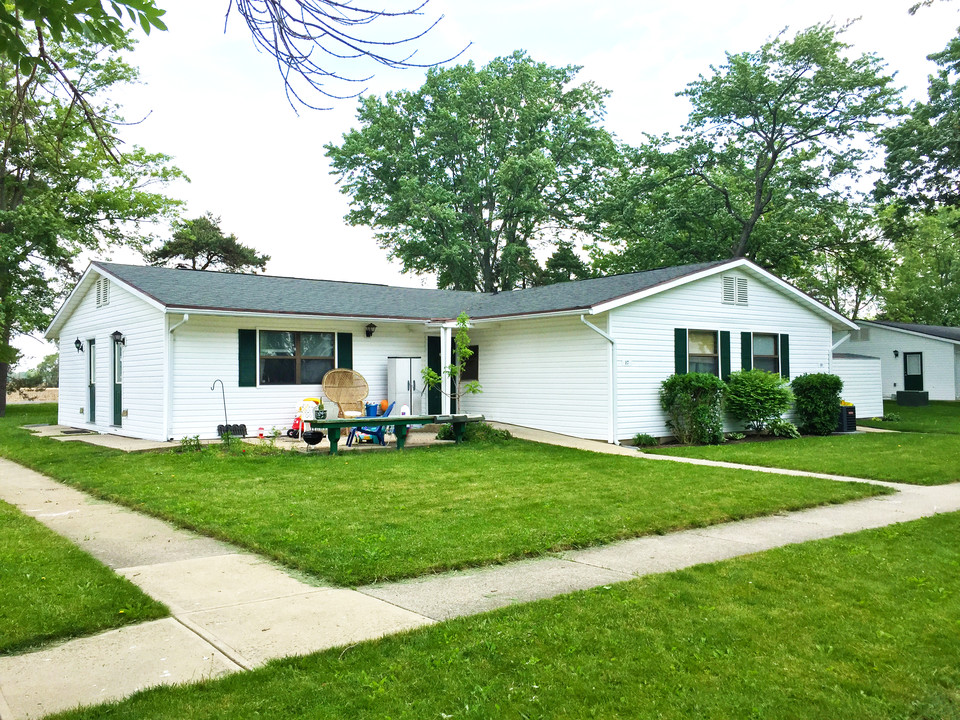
354 519
902 457
940 416
50 589
862 626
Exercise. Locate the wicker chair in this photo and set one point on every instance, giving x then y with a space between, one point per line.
348 389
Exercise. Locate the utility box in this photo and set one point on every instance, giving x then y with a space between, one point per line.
848 419
405 384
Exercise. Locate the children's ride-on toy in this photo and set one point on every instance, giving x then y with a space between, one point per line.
311 409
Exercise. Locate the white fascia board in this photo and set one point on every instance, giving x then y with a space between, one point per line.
148 299
53 329
180 310
534 315
835 317
925 336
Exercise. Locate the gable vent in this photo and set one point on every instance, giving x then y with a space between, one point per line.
103 292
734 290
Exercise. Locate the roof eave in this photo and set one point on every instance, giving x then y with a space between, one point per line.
915 333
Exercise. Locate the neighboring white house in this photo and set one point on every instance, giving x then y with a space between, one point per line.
861 382
141 347
912 357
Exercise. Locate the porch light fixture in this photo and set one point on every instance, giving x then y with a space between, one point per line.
896 353
370 329
78 344
118 337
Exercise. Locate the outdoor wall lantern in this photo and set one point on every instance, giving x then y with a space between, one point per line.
118 337
78 344
896 353
370 329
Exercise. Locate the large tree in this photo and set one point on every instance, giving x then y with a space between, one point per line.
922 167
201 245
926 283
774 138
465 176
61 192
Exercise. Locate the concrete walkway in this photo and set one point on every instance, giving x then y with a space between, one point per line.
232 610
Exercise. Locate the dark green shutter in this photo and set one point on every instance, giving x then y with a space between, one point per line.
345 350
746 351
248 357
724 355
680 350
785 356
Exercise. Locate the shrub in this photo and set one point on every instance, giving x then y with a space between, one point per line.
778 427
818 402
644 440
757 397
190 444
694 406
475 432
891 417
735 436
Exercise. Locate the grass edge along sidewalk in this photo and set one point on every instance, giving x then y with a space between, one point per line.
940 416
858 626
379 516
51 590
911 458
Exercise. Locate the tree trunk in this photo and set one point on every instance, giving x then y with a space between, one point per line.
4 372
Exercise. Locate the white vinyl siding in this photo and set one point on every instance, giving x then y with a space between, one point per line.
143 367
546 373
940 374
861 384
645 341
207 348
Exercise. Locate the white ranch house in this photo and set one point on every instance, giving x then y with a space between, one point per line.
141 346
912 357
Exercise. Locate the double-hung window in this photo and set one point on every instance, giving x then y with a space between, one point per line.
766 352
703 352
295 358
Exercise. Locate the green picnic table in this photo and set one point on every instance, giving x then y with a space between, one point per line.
401 424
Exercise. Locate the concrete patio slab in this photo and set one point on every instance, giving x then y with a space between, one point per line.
213 582
107 667
304 623
470 592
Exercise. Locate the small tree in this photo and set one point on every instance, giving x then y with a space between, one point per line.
757 397
434 380
694 404
202 244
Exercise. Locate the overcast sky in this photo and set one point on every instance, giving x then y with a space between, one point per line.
210 100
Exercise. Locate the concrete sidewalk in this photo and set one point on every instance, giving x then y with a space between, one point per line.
233 610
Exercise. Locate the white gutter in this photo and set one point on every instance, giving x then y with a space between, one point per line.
613 379
169 393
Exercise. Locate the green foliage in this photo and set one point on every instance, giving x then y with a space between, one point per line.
694 406
64 187
757 397
645 440
478 432
203 245
763 167
190 444
817 402
462 353
46 374
778 427
892 417
736 436
58 20
922 166
926 282
464 176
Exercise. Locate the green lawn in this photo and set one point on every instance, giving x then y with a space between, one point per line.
937 417
862 626
358 518
50 589
901 457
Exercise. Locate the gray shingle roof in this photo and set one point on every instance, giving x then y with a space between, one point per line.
235 292
939 331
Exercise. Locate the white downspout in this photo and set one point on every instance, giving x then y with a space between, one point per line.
169 395
445 362
613 379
